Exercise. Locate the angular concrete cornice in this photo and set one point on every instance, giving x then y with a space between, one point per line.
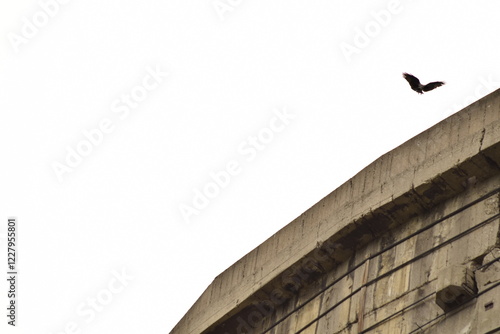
419 174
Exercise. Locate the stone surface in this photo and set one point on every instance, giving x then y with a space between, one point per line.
456 285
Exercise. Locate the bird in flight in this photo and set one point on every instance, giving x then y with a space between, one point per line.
418 87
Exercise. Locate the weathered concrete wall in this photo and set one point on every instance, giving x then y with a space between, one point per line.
326 267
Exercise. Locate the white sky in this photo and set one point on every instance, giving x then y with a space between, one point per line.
230 72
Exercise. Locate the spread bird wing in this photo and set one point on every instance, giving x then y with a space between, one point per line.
432 85
412 80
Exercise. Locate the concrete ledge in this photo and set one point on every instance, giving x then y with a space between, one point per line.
414 177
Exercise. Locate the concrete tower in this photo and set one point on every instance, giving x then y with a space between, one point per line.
410 244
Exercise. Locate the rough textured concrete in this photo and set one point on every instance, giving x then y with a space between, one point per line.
369 254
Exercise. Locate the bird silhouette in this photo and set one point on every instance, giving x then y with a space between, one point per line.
418 87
